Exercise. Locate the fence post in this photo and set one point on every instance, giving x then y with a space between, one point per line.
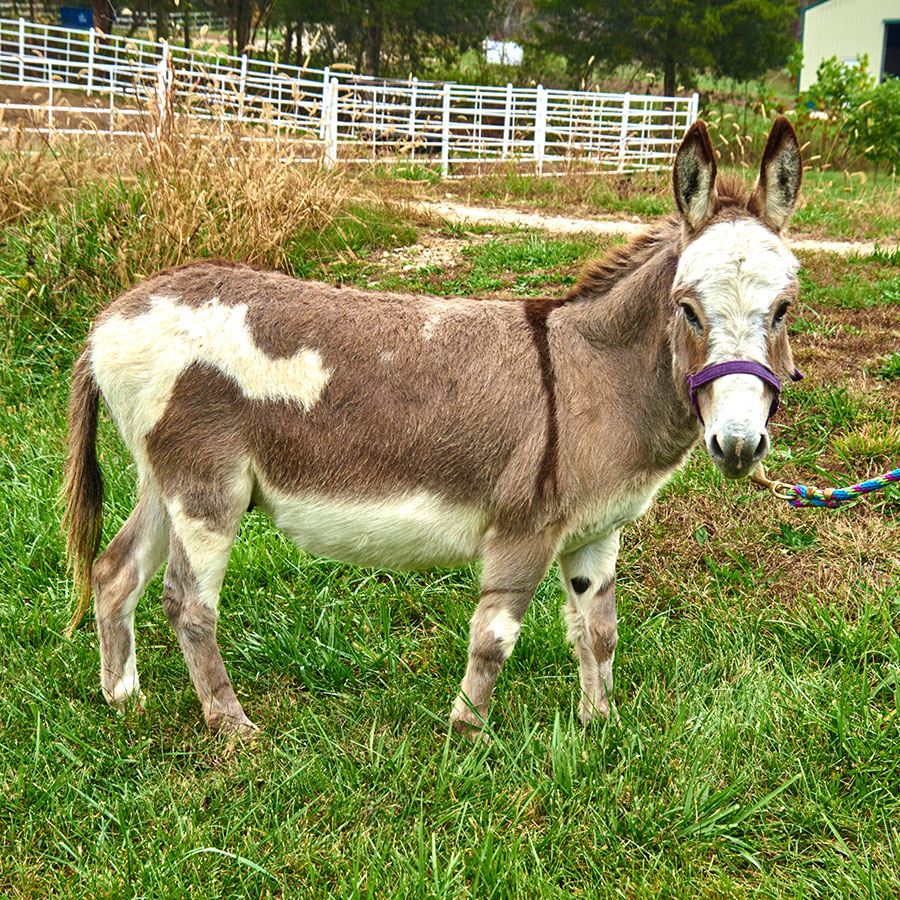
445 134
22 50
331 129
49 95
540 129
162 73
90 66
623 131
326 90
242 86
507 120
693 108
412 109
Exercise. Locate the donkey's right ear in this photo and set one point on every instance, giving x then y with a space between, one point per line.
694 177
775 196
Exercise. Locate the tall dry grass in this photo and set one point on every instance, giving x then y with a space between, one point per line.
196 188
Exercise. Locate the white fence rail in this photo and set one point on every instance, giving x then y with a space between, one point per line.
344 116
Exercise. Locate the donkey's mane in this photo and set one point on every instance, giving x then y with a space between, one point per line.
601 275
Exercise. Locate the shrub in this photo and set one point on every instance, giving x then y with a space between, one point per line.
874 123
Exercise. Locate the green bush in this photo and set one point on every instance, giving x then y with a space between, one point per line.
852 115
874 123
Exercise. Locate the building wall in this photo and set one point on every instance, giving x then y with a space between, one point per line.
846 29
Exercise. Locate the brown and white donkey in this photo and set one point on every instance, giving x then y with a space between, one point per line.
411 431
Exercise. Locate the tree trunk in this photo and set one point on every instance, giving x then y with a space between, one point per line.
186 12
288 40
162 21
103 16
299 32
243 14
669 78
374 34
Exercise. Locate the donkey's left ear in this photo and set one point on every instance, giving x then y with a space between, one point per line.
694 177
775 196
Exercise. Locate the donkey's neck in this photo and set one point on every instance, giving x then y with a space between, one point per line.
625 363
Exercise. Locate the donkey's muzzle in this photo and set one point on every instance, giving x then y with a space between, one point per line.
737 453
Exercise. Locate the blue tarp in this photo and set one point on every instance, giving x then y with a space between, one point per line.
76 16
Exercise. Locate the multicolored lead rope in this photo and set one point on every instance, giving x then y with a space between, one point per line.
801 495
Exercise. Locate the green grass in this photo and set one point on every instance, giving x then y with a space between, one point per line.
833 205
758 672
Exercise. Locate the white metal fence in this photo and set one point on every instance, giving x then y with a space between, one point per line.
344 116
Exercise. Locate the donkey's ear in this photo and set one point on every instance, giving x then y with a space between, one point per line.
694 177
775 196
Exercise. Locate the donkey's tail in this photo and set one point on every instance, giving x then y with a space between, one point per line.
83 490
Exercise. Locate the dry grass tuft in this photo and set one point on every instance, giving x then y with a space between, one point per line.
198 189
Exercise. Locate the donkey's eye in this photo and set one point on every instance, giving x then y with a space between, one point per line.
779 315
691 317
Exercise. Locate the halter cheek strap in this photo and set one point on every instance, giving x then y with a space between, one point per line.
737 367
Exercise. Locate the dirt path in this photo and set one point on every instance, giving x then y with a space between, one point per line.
484 215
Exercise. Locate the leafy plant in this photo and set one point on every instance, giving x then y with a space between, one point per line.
874 123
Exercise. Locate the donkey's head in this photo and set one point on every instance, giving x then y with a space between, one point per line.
733 285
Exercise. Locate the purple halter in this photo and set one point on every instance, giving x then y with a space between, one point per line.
737 367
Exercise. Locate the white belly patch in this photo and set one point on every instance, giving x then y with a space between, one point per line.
414 531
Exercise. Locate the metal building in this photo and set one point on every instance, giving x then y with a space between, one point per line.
848 29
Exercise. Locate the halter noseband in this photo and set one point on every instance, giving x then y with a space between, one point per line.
737 367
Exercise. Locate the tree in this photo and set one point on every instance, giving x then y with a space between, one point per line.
746 38
103 16
741 38
378 36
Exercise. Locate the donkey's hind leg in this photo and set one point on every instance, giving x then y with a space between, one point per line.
120 575
197 562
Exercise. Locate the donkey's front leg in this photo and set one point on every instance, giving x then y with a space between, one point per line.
513 568
590 580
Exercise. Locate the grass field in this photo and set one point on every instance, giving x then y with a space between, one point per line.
758 671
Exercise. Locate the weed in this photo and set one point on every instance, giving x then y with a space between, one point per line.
890 367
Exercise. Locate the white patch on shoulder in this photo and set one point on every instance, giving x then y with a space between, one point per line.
137 360
438 311
414 531
505 630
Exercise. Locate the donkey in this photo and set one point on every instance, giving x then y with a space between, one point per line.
411 431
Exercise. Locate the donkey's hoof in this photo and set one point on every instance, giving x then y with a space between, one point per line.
596 716
127 704
471 731
229 727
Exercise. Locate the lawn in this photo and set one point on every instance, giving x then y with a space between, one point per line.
758 667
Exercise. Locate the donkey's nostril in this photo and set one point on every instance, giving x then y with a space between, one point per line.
715 448
762 448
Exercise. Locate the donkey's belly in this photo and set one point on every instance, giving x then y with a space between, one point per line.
415 531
